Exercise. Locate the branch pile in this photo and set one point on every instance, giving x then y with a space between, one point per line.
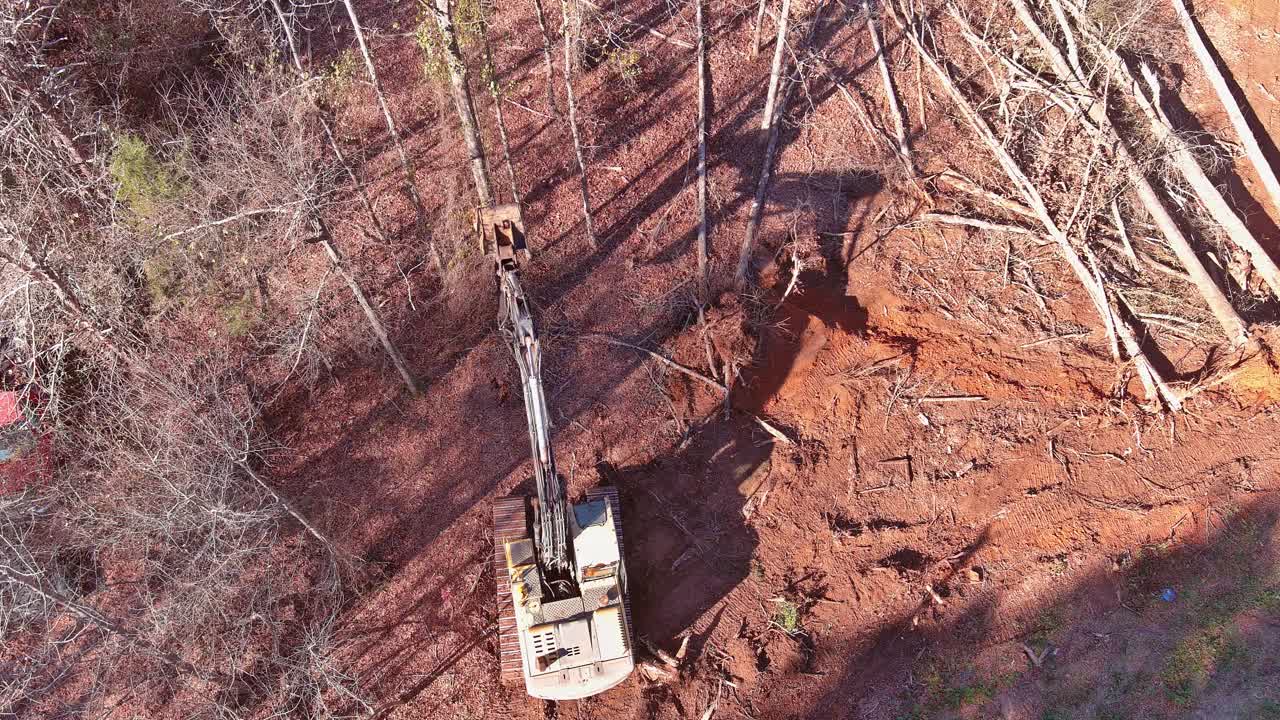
1089 156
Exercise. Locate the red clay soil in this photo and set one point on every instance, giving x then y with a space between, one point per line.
968 519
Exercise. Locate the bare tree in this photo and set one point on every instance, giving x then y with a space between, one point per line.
39 271
495 89
36 94
162 468
571 30
31 581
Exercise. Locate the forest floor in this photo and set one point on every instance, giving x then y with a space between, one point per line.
966 522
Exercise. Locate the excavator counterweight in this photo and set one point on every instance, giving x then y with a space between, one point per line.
564 617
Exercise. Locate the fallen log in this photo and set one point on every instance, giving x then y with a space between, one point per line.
1162 129
1247 139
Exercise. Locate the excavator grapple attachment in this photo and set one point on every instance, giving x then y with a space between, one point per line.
501 232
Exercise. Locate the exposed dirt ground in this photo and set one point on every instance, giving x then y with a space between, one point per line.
968 522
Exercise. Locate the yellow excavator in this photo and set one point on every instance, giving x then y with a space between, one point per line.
564 617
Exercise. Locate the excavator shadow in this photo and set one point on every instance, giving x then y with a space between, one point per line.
689 544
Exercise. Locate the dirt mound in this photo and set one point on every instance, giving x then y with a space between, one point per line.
1256 381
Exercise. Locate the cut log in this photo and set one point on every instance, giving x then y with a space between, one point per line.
1247 139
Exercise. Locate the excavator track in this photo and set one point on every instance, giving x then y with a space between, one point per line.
510 522
611 494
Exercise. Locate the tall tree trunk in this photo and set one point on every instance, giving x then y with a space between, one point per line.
570 39
755 33
546 57
702 147
1232 325
460 89
775 72
1219 82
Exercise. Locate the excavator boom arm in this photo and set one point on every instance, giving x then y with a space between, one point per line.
551 528
502 237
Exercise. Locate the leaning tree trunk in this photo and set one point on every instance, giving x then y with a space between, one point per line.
569 35
775 72
755 33
546 57
379 330
460 89
766 168
702 146
895 108
495 89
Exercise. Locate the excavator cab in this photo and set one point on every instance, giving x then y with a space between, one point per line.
564 615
